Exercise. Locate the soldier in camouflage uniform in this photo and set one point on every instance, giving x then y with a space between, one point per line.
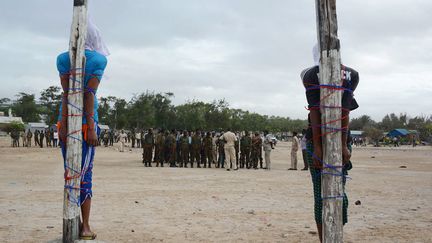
159 148
215 141
170 148
184 149
221 151
196 149
245 150
208 149
133 137
237 150
202 152
148 144
256 147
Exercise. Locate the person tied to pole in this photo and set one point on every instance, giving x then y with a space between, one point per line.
311 82
95 54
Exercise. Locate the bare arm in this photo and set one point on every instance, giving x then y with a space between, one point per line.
89 96
315 117
346 155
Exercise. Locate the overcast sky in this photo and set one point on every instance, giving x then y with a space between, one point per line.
249 52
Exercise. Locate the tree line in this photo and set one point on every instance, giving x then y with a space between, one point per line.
375 130
153 109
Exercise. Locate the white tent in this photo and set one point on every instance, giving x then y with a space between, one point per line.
33 126
103 127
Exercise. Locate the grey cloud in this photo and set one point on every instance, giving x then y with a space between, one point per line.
247 51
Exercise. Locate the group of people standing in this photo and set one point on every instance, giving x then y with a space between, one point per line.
223 149
38 136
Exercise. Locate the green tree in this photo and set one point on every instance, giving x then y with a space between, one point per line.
15 127
25 106
105 110
119 115
4 105
361 122
391 121
374 134
50 103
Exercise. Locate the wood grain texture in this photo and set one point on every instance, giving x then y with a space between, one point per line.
71 208
330 74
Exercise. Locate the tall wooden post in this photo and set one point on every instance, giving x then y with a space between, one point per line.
330 74
71 204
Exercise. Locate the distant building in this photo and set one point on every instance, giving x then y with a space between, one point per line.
410 135
357 134
104 127
398 133
33 126
6 120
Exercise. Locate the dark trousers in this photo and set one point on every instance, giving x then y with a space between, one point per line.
159 155
221 160
195 157
208 157
255 157
245 158
147 154
304 153
184 155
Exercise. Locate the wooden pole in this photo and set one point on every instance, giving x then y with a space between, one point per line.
330 74
71 204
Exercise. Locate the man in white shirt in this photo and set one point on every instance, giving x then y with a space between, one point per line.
294 149
268 146
138 138
230 139
55 138
122 138
303 143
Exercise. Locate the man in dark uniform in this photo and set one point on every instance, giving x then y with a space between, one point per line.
48 137
142 138
41 138
260 152
170 148
310 78
208 149
256 147
184 149
245 149
36 138
190 147
221 151
196 148
159 148
29 137
133 137
111 138
202 150
237 150
148 144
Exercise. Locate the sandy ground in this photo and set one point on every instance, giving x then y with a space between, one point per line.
136 204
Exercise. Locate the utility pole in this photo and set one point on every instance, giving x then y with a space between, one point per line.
331 99
71 202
